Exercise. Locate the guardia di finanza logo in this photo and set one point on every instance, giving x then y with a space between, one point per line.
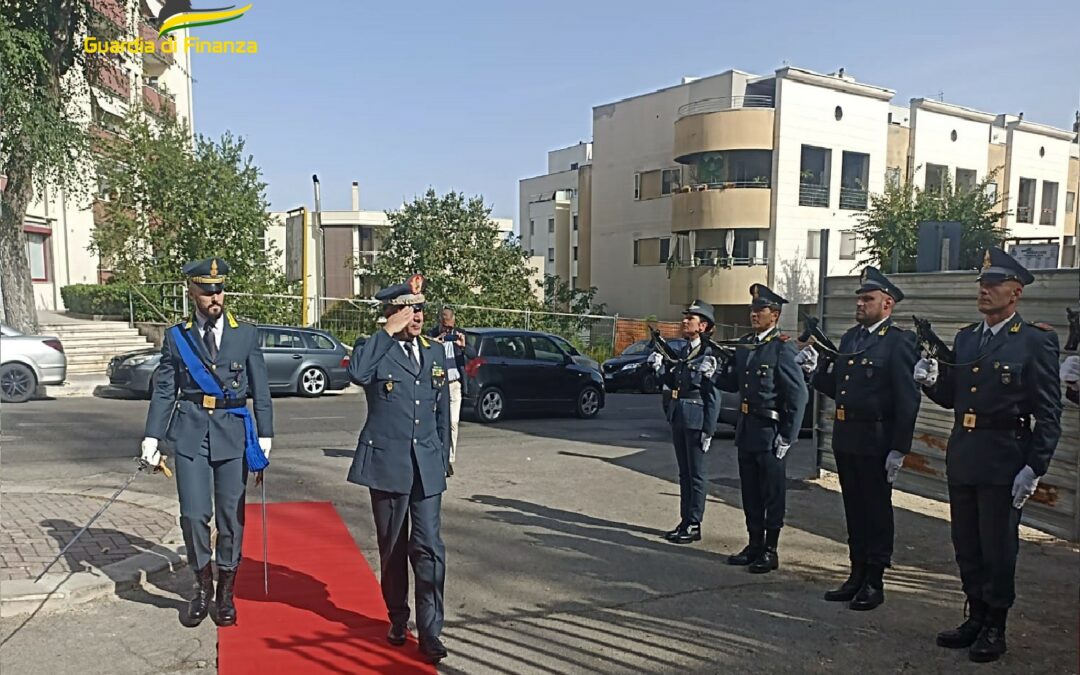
176 15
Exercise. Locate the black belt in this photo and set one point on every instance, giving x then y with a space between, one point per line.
758 411
845 415
972 420
212 403
675 395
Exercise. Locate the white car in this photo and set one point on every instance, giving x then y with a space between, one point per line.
27 361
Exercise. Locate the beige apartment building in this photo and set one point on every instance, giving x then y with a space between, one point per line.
701 189
58 224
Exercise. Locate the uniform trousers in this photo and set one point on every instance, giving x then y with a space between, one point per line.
208 488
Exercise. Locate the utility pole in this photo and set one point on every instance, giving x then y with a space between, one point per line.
320 252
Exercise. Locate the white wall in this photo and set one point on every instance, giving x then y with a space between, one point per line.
1025 161
561 159
931 143
535 201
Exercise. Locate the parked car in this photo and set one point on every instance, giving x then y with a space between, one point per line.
27 361
630 370
304 361
527 370
570 349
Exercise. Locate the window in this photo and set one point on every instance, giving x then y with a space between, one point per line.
276 338
1048 215
892 176
854 177
1070 202
573 283
551 255
991 192
545 350
936 176
639 347
509 347
814 176
665 249
575 253
637 186
732 168
965 180
648 251
551 225
1025 205
316 341
573 166
575 222
37 251
532 227
847 244
813 244
670 180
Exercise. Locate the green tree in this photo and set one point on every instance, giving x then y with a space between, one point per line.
172 202
454 243
890 227
43 141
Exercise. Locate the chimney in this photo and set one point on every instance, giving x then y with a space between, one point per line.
355 196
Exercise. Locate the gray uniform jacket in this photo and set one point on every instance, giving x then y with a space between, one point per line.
877 400
995 400
408 417
240 368
695 402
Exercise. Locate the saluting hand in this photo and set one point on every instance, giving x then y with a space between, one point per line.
396 322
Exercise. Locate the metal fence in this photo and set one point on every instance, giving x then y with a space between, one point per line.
947 299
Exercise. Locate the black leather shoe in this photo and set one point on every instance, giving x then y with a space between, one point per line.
433 649
867 598
670 535
199 606
850 587
964 635
688 535
226 610
766 562
744 557
989 646
397 635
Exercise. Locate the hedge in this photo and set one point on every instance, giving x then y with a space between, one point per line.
109 299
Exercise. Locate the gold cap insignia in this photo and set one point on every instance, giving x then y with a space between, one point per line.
416 283
755 291
865 275
213 267
986 260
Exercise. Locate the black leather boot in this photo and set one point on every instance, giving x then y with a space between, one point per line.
964 635
990 644
199 606
671 535
689 534
751 552
226 610
768 560
851 586
872 592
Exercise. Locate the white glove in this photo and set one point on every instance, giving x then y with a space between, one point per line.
807 359
265 443
893 463
706 441
781 446
1024 486
655 360
707 366
1070 372
926 372
150 454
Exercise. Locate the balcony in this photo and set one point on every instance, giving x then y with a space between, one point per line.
112 10
731 123
811 194
1048 217
100 137
156 63
158 103
716 285
105 72
722 206
851 199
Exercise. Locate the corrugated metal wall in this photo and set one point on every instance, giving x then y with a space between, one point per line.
947 299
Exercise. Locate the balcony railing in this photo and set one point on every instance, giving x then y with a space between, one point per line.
158 102
113 10
1048 217
812 194
1023 214
726 185
150 34
104 72
710 105
853 199
713 258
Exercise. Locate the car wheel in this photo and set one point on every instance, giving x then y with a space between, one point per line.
588 403
17 383
490 406
650 384
312 382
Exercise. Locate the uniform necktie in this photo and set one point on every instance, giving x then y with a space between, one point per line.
208 339
410 347
986 337
860 339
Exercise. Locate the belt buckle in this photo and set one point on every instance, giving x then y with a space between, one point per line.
969 420
840 414
744 408
209 402
674 394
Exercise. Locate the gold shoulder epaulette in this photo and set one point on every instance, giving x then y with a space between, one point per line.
424 341
1041 326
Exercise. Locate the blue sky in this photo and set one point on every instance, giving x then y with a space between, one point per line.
470 96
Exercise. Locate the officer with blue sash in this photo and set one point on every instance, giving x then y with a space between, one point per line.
211 365
402 458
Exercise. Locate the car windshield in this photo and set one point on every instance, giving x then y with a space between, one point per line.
639 347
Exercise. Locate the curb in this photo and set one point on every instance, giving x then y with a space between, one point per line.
61 591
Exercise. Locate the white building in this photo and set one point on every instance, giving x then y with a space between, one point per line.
59 225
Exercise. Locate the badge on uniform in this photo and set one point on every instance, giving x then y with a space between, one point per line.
1006 376
437 370
389 387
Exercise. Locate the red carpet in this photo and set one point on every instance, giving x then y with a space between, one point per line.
324 613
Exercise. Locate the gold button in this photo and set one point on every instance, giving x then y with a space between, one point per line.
974 389
975 369
843 392
851 362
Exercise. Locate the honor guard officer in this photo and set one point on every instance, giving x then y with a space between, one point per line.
772 397
402 457
211 365
1007 401
876 406
695 405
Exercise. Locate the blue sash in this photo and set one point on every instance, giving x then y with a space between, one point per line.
210 386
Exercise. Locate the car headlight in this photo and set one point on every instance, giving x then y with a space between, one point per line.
138 360
630 366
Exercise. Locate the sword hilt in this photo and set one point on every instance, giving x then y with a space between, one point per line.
163 467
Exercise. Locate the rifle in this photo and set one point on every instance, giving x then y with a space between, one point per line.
1074 330
821 342
661 346
933 346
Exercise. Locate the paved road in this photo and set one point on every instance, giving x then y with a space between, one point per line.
554 557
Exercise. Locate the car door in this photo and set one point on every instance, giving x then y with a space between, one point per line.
283 351
553 380
509 363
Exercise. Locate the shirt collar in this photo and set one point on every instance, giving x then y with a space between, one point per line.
695 342
761 336
201 320
997 326
871 329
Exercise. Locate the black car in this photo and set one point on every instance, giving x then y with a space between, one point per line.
526 370
630 370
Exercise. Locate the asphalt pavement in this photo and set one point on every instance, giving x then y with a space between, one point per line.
555 562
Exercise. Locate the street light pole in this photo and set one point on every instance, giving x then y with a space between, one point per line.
320 279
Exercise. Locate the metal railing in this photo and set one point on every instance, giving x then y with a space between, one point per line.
1048 217
709 259
812 194
726 185
853 199
725 103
